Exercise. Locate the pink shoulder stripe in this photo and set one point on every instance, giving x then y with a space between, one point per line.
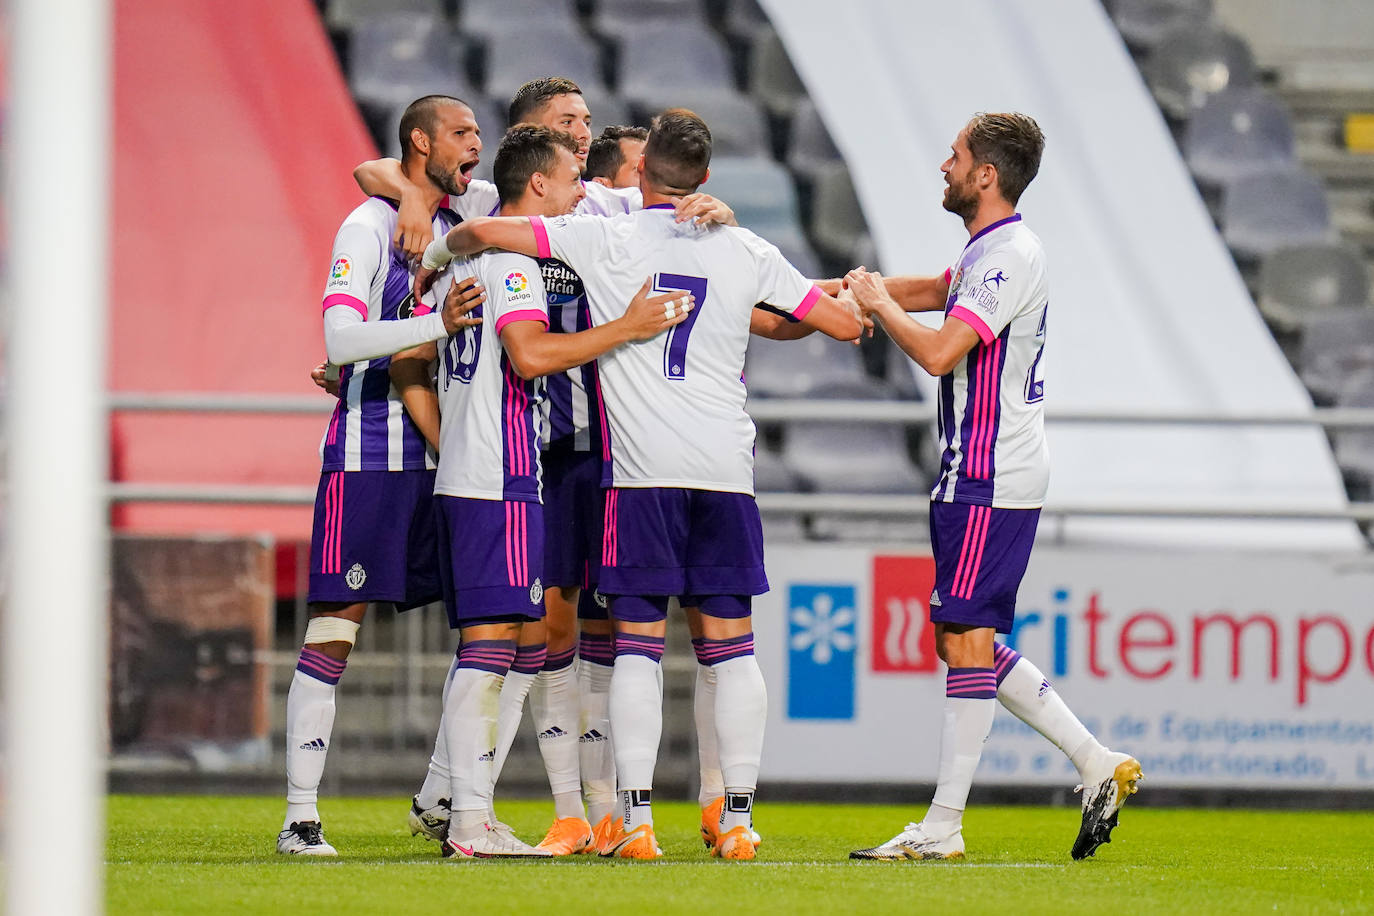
541 237
522 315
972 320
807 303
354 302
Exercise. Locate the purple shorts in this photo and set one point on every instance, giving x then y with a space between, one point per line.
374 539
681 542
980 558
573 506
489 550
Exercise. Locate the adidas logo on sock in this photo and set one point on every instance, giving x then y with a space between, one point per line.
315 745
554 732
1044 688
592 735
489 755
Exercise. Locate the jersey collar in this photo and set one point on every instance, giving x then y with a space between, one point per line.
660 207
1014 218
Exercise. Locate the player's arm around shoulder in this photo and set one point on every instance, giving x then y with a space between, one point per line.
534 352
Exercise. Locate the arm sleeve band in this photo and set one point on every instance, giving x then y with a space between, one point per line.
348 339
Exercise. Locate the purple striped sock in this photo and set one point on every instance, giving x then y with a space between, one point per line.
320 666
971 683
1003 658
494 655
650 647
529 659
597 648
715 651
559 660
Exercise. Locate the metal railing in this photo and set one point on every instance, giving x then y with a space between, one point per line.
775 410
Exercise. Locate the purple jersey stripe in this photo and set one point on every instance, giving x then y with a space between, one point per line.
519 437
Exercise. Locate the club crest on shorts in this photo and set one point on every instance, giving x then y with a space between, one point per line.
600 600
355 577
536 592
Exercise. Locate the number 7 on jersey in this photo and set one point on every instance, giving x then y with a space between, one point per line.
675 350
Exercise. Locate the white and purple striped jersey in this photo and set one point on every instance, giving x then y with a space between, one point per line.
572 403
675 403
992 417
370 430
489 415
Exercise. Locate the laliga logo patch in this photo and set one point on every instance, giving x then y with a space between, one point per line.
536 592
516 282
355 577
339 273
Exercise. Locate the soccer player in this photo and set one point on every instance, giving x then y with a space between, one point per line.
613 158
993 476
487 489
570 706
373 536
681 517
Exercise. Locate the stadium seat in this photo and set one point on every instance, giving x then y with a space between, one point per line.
344 15
513 58
813 367
1297 283
798 251
738 127
1262 213
623 18
496 17
851 457
1354 448
837 219
1194 62
741 19
684 56
772 78
606 109
1337 347
810 151
760 191
398 58
1143 23
1238 132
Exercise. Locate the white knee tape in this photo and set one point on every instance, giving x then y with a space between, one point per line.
330 629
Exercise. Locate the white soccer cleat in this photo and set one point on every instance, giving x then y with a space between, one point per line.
1107 782
431 823
915 843
304 838
487 842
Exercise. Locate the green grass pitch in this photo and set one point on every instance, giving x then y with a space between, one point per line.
206 855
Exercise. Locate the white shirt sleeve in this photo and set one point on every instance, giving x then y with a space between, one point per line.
348 338
578 241
515 290
988 292
359 254
781 285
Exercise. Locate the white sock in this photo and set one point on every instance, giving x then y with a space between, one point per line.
554 703
636 708
708 753
595 758
470 712
512 710
741 715
968 722
437 784
309 727
1027 694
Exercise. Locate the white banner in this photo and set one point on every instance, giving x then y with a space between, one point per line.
1213 669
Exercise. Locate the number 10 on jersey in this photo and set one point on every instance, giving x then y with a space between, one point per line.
675 350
